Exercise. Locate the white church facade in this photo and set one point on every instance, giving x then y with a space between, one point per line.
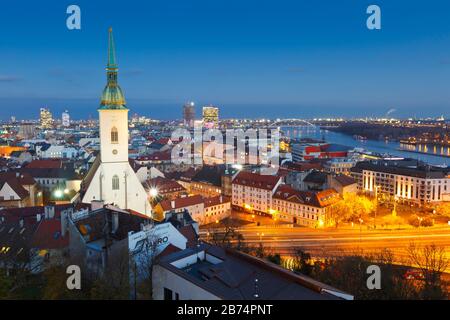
112 180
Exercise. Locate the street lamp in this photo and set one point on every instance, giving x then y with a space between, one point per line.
376 207
260 236
360 228
58 193
420 220
153 192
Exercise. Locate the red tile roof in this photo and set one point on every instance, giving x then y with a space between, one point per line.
302 166
190 234
255 180
165 186
24 178
317 199
16 187
46 164
168 250
214 201
181 202
48 235
345 180
157 156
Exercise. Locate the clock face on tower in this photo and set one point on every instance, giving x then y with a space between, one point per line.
114 151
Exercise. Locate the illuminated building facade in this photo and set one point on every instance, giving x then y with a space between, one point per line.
418 184
65 119
46 118
305 208
253 192
210 117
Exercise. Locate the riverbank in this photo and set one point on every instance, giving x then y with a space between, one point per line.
423 152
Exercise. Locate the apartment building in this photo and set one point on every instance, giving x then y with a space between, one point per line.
253 192
305 208
408 181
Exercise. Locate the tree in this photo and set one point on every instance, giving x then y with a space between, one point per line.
142 264
302 262
351 208
443 209
432 262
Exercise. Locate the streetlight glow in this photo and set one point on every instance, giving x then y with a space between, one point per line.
153 192
58 193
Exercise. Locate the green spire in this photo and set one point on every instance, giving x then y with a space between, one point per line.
112 97
111 51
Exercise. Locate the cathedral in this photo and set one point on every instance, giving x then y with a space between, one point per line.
111 179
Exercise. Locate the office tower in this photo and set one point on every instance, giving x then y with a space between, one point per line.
65 119
189 114
46 118
210 116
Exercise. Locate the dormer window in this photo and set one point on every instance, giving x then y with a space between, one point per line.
114 135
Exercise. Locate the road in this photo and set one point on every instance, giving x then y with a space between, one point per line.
332 242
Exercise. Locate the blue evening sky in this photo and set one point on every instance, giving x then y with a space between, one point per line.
252 58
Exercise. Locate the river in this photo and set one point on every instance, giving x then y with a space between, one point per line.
431 154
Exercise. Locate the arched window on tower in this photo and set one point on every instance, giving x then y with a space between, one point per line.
114 135
115 182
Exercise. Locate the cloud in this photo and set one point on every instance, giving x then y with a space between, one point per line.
9 78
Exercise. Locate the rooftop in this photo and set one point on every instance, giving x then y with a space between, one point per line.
233 275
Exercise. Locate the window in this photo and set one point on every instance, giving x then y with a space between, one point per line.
115 183
114 135
168 294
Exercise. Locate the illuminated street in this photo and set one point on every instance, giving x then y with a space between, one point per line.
331 242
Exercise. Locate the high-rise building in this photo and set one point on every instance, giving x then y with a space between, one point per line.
189 114
111 179
65 119
26 130
210 117
46 118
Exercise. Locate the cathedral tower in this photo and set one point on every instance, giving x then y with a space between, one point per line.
112 179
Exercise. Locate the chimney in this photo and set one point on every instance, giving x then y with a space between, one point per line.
64 220
115 222
49 212
97 204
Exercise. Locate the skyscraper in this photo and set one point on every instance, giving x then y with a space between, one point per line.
46 118
112 180
210 116
189 114
65 119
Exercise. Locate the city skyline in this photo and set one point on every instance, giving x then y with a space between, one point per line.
323 63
